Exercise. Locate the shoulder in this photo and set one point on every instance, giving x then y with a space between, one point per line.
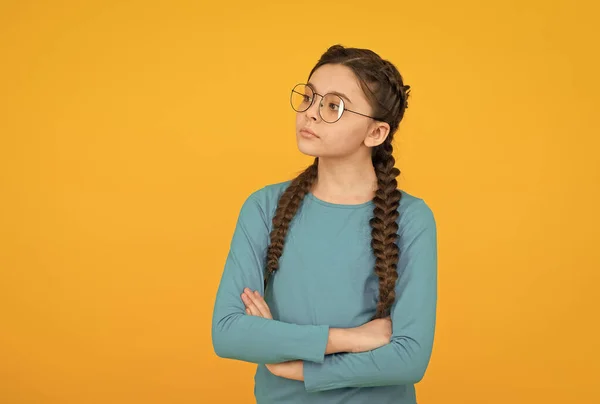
268 196
410 203
263 201
269 192
415 214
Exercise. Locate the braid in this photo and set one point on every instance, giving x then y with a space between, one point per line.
395 80
288 205
384 226
398 91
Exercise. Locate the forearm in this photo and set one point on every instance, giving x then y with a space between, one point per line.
260 340
339 340
365 369
402 361
292 370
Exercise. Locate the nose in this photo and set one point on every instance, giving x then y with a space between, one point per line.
312 113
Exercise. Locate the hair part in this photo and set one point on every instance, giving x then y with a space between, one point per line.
384 88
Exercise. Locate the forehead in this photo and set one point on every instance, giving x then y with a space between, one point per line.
328 78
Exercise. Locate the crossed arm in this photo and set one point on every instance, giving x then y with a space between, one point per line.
367 337
256 306
321 356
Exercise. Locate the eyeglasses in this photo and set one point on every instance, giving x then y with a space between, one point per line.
331 108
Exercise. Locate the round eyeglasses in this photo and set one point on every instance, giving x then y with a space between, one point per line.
331 107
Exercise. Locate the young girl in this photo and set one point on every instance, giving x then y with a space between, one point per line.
345 260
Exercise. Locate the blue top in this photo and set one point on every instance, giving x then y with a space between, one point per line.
326 279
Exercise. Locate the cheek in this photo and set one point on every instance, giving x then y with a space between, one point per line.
345 138
300 120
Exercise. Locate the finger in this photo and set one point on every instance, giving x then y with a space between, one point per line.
262 304
258 302
251 306
254 310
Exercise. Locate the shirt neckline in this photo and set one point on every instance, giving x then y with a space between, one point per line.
339 205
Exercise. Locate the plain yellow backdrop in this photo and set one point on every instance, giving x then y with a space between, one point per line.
132 131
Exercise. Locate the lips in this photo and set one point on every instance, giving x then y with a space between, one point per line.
307 131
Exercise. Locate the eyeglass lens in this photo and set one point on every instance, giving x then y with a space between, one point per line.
331 106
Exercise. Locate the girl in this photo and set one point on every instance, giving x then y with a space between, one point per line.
330 284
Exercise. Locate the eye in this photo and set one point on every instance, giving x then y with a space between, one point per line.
333 107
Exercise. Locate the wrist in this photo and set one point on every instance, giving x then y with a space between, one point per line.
339 340
293 370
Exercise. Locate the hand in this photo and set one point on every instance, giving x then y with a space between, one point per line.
374 334
255 304
293 370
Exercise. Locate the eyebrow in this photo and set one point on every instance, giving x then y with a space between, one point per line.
333 92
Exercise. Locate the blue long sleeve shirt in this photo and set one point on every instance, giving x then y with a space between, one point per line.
326 280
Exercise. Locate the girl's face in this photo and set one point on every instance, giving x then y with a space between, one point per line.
352 133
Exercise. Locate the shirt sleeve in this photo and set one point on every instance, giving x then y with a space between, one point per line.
405 359
236 335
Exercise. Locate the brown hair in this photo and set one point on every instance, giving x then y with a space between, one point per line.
384 88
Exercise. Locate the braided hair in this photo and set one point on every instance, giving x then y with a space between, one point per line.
386 92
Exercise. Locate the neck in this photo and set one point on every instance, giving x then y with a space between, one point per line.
348 180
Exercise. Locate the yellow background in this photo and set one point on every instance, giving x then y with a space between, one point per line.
132 131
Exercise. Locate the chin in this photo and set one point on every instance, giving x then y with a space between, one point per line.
307 149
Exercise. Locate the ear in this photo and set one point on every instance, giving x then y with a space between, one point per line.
377 134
